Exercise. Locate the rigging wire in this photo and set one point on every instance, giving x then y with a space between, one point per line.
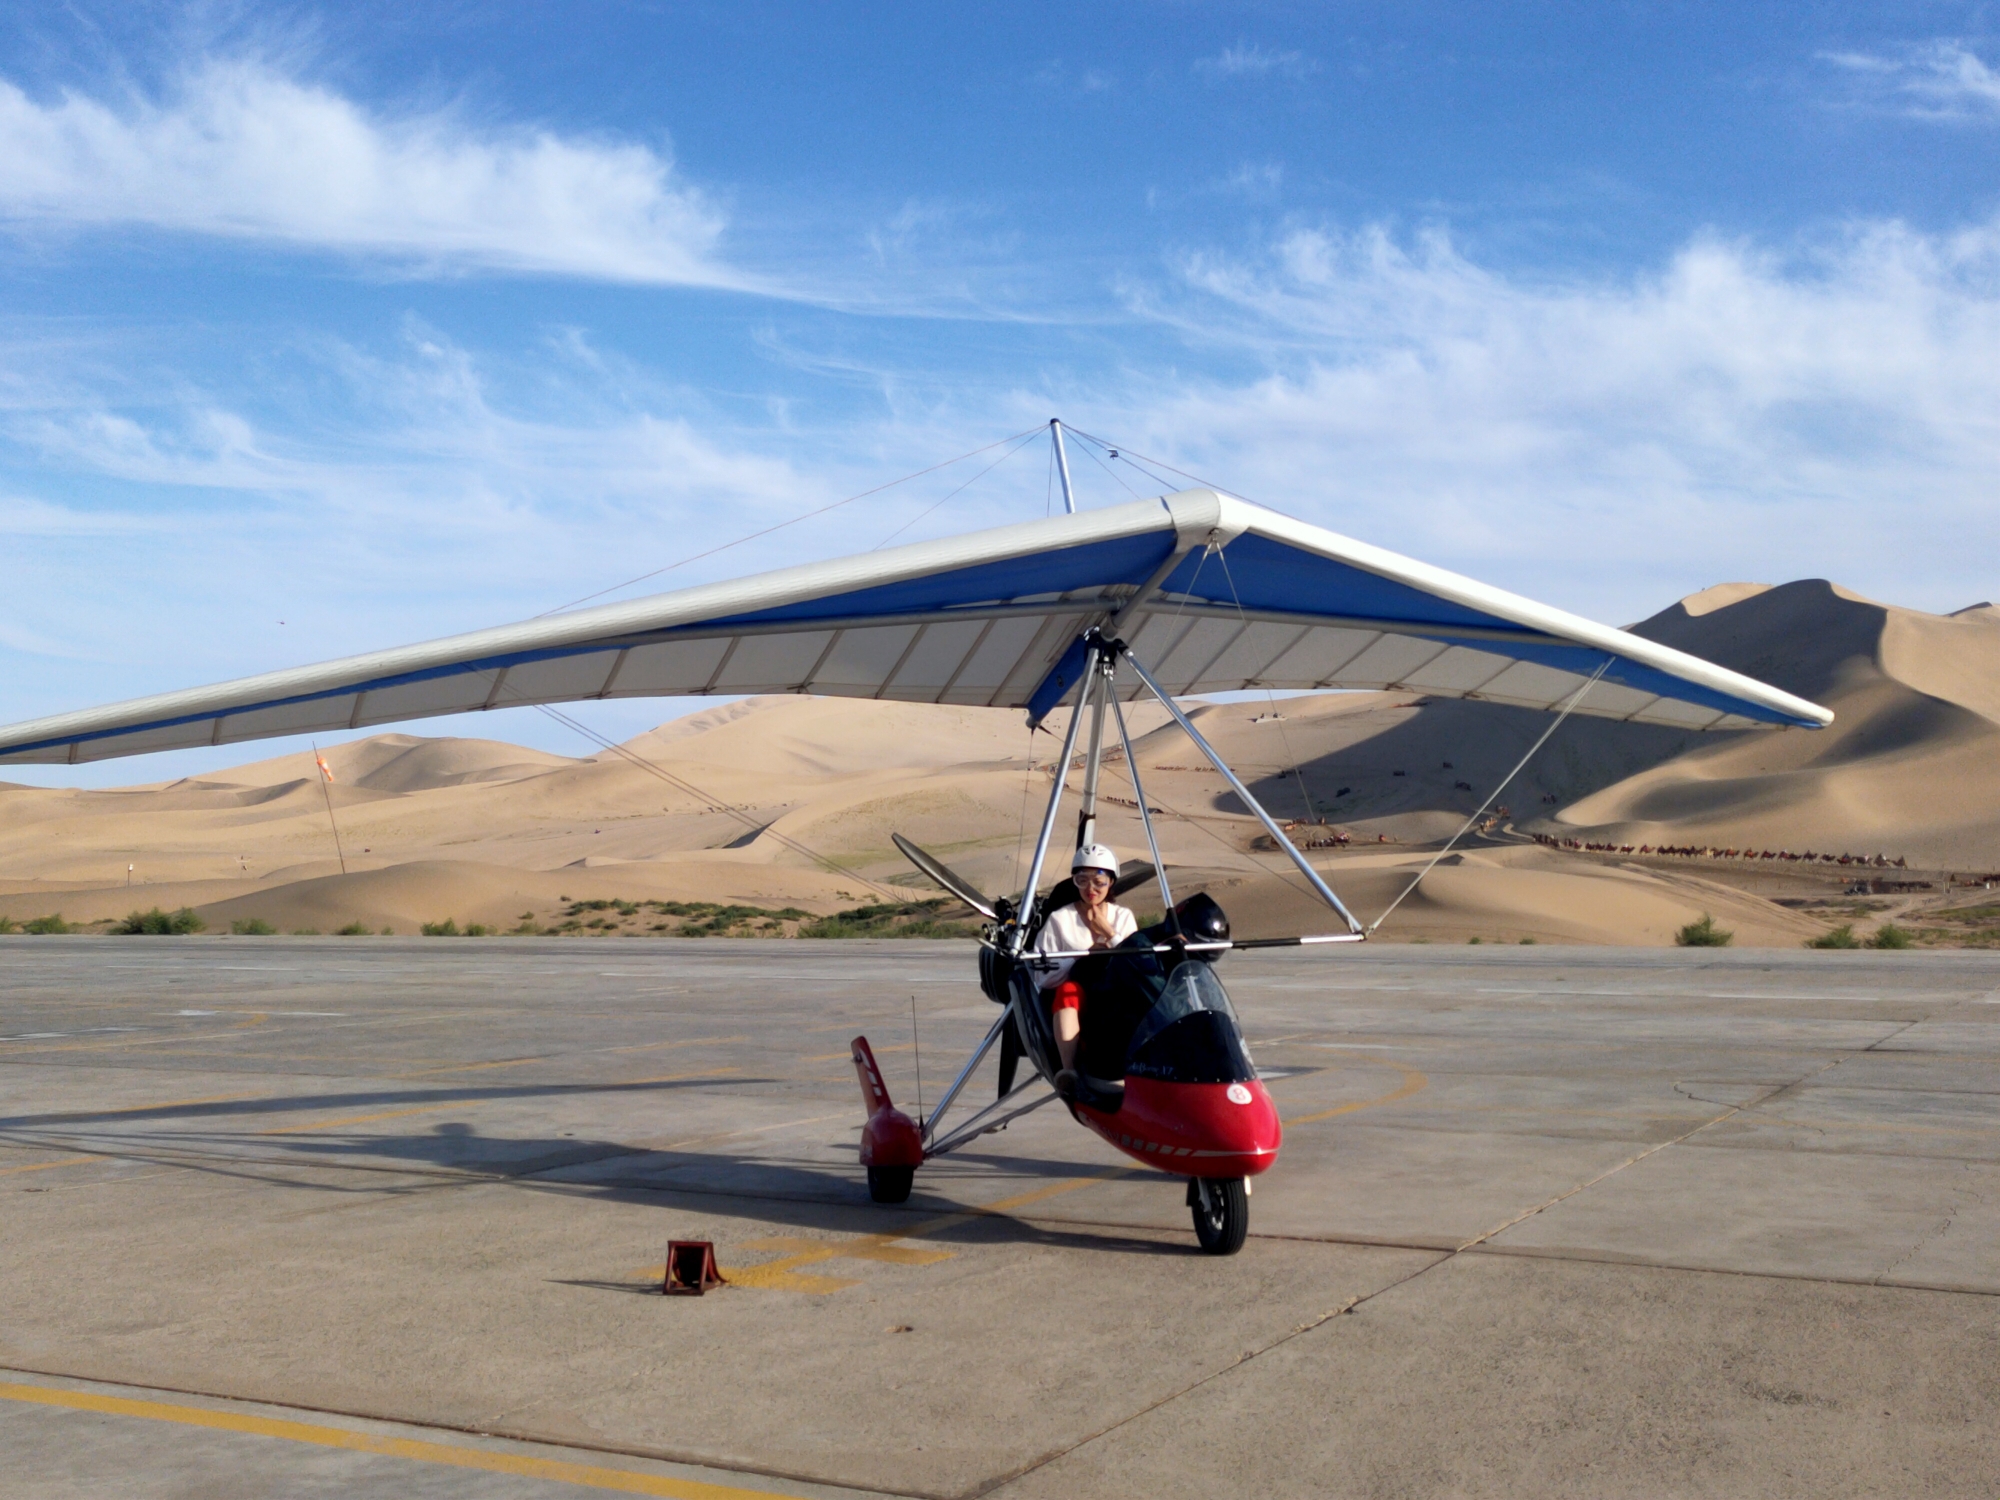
781 525
1133 458
1025 440
1112 472
1284 876
1568 708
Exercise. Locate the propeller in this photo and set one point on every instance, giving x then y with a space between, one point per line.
945 876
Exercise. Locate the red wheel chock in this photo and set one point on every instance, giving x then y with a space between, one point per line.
691 1268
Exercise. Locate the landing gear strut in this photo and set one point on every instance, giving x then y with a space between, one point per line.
1221 1213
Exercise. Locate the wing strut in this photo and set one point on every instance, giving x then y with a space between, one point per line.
1270 824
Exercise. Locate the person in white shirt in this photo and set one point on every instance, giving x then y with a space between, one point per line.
1094 922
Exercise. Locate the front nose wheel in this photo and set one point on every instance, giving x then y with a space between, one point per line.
1221 1208
892 1185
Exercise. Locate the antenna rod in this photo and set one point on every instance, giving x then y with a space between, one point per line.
1062 465
919 1051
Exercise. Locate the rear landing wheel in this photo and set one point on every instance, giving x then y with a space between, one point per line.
892 1185
1221 1213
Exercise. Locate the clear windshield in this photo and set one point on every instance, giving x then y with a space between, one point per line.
1191 988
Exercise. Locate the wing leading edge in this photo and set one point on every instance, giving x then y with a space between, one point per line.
1211 592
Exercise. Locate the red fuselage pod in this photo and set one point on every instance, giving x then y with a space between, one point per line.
1193 1129
890 1138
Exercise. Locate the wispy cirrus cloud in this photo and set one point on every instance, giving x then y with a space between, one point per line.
1248 60
1738 410
1936 80
238 150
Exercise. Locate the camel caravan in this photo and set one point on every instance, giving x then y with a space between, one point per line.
1692 851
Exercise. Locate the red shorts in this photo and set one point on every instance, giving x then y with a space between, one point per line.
1068 996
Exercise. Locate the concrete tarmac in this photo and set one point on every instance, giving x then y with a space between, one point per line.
385 1217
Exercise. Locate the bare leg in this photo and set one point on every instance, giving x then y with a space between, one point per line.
1067 1031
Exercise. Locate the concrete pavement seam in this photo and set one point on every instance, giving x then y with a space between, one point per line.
999 1480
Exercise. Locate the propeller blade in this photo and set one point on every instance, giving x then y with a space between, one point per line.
1135 874
945 876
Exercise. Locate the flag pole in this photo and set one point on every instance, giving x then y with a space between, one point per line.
326 791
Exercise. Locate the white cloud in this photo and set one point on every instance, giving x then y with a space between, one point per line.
1938 80
22 516
1610 444
240 151
1248 60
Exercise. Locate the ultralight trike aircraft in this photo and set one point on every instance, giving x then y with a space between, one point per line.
1196 592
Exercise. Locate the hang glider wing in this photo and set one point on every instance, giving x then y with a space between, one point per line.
1210 592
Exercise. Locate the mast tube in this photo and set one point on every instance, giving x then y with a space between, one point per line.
1062 465
1018 939
1095 695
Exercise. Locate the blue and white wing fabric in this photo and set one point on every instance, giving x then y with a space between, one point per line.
1212 593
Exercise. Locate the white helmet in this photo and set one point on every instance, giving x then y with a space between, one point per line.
1095 857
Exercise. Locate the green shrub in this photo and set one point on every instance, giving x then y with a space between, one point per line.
157 923
907 919
354 929
305 932
7 925
1527 942
447 928
1841 937
46 925
1703 934
1889 935
1473 941
477 929
251 927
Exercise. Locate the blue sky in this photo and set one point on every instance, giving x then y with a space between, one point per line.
326 329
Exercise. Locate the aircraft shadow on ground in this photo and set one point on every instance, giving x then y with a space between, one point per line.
224 1109
451 1153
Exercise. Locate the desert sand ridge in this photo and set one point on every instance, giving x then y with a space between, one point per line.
483 831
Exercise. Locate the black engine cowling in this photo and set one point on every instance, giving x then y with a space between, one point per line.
1198 919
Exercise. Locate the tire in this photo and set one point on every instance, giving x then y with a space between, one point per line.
892 1185
1221 1208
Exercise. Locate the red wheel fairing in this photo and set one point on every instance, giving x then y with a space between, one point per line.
1194 1128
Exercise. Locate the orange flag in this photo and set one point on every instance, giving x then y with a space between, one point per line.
324 769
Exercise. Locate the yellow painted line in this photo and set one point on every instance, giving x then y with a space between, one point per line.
258 1019
140 1109
848 1053
783 1274
673 1077
387 1114
44 1166
522 1465
699 1041
512 1062
725 1135
1412 1082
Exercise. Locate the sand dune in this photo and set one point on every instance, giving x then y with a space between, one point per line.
782 802
1910 766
